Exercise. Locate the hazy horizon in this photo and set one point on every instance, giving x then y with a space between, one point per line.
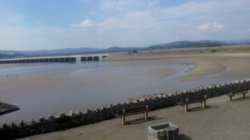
48 25
51 49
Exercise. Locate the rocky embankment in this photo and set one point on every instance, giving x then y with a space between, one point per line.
74 119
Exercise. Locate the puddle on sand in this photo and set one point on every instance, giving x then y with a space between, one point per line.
182 70
217 74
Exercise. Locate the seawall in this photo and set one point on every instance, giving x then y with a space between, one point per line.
74 119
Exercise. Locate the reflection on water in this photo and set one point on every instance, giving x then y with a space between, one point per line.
12 70
87 85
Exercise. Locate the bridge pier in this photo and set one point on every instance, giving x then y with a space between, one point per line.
89 58
83 59
96 58
73 59
61 60
67 60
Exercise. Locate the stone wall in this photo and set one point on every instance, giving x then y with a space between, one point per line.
74 119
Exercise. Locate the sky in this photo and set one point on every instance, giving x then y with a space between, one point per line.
57 24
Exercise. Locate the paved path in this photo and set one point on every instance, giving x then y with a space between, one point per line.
223 120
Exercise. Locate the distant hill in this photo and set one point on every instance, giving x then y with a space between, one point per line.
120 49
187 44
62 51
171 45
12 55
67 51
238 42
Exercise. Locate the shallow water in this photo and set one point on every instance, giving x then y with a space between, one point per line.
87 85
12 70
217 74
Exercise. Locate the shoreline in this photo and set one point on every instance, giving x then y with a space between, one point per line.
157 101
179 53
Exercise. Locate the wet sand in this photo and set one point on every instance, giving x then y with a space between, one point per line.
226 61
223 65
222 120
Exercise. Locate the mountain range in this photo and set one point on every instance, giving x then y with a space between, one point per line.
171 45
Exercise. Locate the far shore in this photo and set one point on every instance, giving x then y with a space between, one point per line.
179 53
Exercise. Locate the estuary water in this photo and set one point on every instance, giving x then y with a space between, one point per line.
49 89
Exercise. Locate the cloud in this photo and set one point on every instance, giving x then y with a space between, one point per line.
218 26
136 26
211 26
87 23
134 23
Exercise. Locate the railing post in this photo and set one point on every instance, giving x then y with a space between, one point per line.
186 105
123 117
204 102
146 113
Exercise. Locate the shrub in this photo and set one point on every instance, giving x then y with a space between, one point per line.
213 51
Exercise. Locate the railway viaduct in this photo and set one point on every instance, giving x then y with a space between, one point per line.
56 59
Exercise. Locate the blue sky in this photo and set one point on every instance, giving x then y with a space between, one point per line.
55 24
